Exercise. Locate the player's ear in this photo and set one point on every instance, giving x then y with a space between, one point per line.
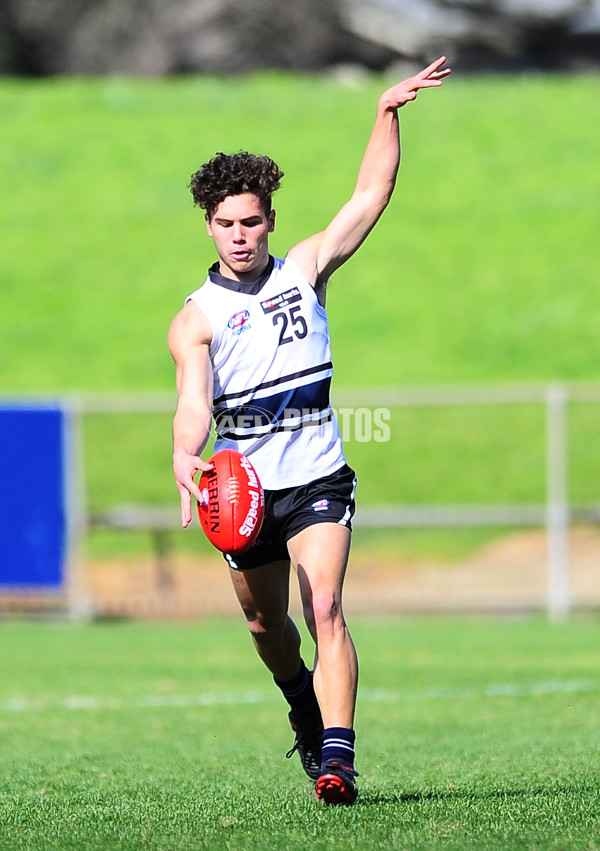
272 215
208 225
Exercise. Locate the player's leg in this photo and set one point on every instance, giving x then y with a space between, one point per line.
320 555
263 593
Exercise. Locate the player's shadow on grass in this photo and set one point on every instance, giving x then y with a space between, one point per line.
367 798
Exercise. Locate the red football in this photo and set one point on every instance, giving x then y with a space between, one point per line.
233 508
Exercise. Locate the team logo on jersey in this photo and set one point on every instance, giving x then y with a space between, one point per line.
320 505
239 322
281 300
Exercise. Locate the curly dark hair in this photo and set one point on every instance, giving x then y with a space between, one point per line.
234 174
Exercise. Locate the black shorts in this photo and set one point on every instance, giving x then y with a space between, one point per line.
289 511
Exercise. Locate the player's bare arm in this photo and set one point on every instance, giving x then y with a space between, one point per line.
189 341
320 255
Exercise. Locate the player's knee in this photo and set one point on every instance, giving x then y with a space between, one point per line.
326 611
265 627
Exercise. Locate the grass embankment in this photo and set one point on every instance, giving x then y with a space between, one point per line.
483 269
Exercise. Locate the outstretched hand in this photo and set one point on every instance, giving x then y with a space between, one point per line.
408 89
185 466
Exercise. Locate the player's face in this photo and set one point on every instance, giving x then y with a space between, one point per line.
240 229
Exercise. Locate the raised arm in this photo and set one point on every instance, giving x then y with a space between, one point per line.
320 255
189 340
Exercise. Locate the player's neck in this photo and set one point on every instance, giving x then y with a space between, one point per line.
245 276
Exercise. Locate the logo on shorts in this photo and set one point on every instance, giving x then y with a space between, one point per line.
321 505
239 322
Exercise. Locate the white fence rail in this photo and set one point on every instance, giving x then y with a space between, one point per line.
554 513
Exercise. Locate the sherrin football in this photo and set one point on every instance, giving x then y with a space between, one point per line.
233 508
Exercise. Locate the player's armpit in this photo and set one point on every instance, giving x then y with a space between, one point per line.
305 255
320 255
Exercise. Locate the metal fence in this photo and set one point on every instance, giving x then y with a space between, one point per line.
554 513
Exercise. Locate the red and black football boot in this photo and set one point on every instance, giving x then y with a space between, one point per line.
309 742
336 785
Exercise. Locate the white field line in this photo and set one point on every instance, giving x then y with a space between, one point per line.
179 701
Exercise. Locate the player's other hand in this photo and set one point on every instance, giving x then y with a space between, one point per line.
408 89
185 467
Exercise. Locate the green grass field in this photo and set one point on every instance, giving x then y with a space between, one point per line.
471 735
483 269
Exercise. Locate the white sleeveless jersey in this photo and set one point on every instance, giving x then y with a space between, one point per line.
272 370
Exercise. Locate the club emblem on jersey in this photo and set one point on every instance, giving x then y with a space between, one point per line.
239 322
281 300
320 505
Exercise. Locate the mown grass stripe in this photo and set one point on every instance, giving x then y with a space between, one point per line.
92 702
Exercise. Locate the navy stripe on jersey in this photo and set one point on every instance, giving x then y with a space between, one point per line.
286 425
291 408
312 370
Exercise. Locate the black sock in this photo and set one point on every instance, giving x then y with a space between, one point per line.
299 692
